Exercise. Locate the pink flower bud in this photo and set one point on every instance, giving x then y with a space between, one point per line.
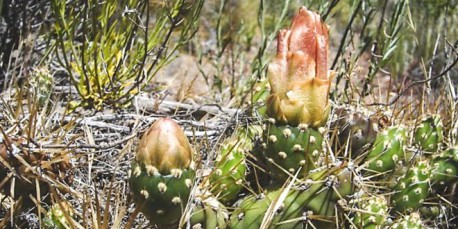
164 147
299 75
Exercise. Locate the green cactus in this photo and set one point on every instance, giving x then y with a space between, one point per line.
387 151
162 173
445 167
56 217
413 188
429 134
412 221
42 82
373 213
230 167
315 200
289 148
209 214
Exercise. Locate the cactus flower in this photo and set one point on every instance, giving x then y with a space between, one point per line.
164 147
299 75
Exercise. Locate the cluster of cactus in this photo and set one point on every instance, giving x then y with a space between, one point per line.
299 169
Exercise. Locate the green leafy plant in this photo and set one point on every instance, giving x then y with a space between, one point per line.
110 52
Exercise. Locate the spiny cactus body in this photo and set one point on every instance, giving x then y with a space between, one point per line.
413 188
372 214
292 148
387 151
316 199
428 135
230 168
445 167
412 221
209 213
162 173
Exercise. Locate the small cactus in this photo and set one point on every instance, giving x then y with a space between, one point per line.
445 167
292 148
428 134
412 189
373 213
209 213
387 151
230 167
412 221
162 173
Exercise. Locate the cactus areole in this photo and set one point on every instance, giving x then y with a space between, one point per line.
298 75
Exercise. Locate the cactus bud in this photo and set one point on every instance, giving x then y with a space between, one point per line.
165 147
299 75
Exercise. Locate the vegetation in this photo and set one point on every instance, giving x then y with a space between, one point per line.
267 132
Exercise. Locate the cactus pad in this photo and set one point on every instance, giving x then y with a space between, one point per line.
387 150
291 148
428 134
230 168
413 188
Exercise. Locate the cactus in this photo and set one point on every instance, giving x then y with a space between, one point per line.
316 199
428 134
412 221
56 217
373 213
162 173
230 167
291 148
42 83
387 151
413 188
209 213
445 167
